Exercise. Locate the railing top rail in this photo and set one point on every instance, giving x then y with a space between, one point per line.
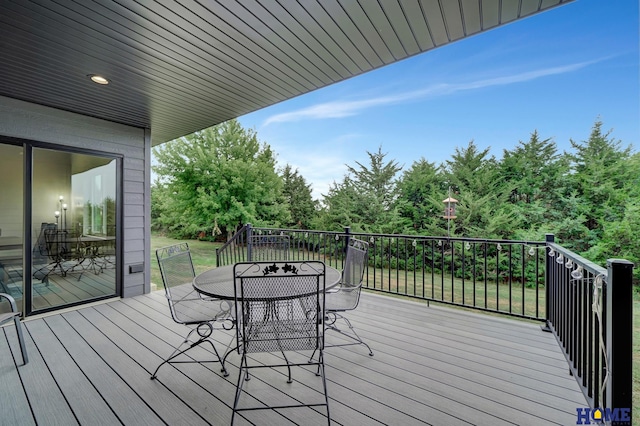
465 239
578 260
290 230
402 236
236 236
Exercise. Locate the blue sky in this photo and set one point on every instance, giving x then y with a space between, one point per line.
556 72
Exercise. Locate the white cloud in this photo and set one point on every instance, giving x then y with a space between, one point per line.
339 109
320 170
322 163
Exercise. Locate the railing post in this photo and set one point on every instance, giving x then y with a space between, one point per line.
347 232
548 238
249 248
619 328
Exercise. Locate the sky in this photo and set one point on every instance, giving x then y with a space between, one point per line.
556 73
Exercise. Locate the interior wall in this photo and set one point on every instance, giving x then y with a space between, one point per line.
11 206
51 178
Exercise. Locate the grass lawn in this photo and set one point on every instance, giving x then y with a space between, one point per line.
481 294
204 257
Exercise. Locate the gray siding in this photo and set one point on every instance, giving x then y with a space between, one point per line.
39 123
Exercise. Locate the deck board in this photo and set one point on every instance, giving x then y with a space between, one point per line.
160 399
81 398
433 365
14 404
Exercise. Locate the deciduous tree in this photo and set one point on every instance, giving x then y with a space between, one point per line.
215 180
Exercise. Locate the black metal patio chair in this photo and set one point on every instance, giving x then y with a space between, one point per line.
346 296
15 316
187 307
268 323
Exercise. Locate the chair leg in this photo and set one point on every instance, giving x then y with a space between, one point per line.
177 352
173 355
23 347
239 385
324 383
353 336
224 370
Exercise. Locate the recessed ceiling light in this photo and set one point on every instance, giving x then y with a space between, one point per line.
98 79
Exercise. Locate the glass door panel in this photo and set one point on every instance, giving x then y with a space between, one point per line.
11 223
74 229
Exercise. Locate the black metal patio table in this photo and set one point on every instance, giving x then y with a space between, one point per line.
219 282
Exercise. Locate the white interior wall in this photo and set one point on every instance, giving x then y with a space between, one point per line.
11 189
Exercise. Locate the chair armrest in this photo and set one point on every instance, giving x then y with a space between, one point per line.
11 300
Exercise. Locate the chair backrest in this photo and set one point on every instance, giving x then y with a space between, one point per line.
279 306
352 274
355 263
40 251
268 247
176 268
57 241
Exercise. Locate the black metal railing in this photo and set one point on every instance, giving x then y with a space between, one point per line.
235 249
595 337
502 276
537 280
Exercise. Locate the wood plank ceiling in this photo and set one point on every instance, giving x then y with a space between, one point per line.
181 66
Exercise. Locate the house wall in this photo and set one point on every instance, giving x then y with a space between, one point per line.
39 123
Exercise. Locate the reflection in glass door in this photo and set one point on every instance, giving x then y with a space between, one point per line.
11 222
73 228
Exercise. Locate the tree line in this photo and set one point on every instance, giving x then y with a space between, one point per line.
210 183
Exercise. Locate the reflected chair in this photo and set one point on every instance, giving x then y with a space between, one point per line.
346 296
45 257
65 252
100 250
14 315
268 323
188 307
268 247
90 255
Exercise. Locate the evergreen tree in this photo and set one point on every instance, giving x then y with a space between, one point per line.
365 198
472 170
341 205
600 170
297 194
378 178
621 237
536 176
483 209
420 193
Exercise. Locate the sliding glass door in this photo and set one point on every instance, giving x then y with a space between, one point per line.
74 227
70 199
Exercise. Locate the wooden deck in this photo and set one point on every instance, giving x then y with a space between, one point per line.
432 365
